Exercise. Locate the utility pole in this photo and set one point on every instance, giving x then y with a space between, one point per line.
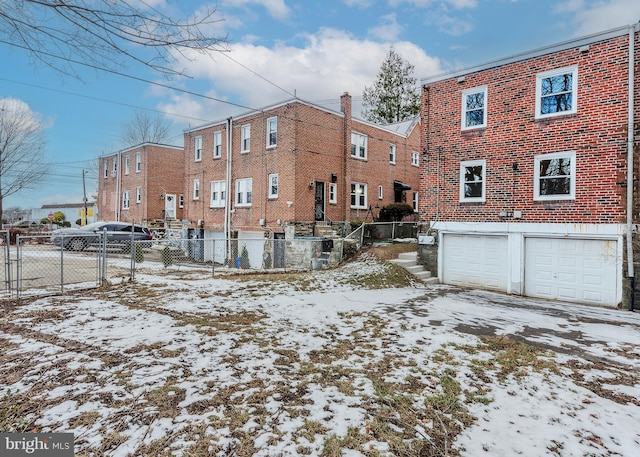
84 191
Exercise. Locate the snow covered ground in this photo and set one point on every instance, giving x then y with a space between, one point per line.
332 362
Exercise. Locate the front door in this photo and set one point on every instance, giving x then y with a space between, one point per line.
170 206
319 207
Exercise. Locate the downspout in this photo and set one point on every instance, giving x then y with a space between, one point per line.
118 184
630 138
227 203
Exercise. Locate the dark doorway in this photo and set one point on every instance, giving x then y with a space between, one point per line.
319 207
278 250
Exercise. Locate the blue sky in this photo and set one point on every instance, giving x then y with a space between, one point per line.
316 49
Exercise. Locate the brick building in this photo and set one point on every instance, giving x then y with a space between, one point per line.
525 168
295 162
141 184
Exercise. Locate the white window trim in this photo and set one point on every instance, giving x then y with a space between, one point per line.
363 187
219 187
415 158
127 161
217 145
114 168
463 111
270 186
181 201
125 199
574 91
138 162
197 149
366 146
138 195
536 176
392 153
415 201
245 137
380 193
333 192
196 189
246 190
106 168
269 144
473 163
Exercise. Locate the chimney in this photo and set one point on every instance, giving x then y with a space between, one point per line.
345 104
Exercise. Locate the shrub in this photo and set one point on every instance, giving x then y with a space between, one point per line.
395 212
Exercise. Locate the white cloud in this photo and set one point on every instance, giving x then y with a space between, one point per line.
330 63
388 30
358 3
604 15
276 8
458 4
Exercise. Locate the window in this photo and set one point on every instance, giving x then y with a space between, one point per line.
197 149
474 108
358 145
114 168
333 193
196 189
138 195
358 195
273 186
554 176
126 165
181 201
243 192
105 167
245 138
125 199
218 194
272 132
472 181
392 153
217 145
415 201
556 92
415 159
138 162
380 193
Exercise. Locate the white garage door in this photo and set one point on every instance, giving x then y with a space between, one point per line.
475 261
575 270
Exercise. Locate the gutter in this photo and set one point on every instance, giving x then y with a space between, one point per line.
630 178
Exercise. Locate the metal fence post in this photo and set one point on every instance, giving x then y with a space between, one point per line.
62 265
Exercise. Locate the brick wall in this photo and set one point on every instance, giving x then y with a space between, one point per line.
513 137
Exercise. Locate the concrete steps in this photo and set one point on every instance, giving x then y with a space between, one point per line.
409 261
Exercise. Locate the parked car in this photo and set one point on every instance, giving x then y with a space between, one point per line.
118 233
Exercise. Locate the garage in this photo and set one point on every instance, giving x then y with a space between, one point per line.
475 261
569 269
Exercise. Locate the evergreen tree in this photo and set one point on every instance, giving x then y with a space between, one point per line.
394 96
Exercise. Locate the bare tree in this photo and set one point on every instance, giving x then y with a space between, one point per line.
145 128
104 33
22 145
394 96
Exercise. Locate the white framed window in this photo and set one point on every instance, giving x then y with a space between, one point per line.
474 108
273 185
245 138
105 168
272 132
125 199
333 192
126 164
138 162
392 153
473 181
557 92
197 149
415 159
138 195
181 201
114 168
555 176
415 202
380 193
218 194
358 145
196 189
358 195
243 191
217 145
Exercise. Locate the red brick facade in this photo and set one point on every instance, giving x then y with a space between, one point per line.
513 137
159 173
312 153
